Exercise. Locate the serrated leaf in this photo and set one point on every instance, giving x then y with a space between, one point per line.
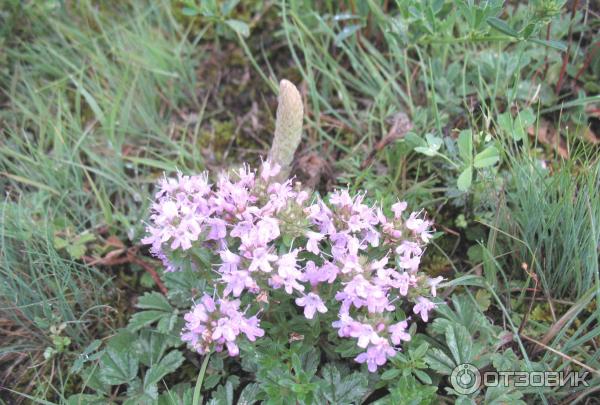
459 343
488 157
239 27
500 395
151 346
158 310
502 26
440 362
154 300
505 361
465 400
249 394
86 356
166 365
145 318
338 390
181 394
310 361
117 367
223 394
483 298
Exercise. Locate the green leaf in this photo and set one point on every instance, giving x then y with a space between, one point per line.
505 122
338 390
151 346
228 6
87 399
465 400
440 362
390 374
181 394
483 299
224 393
154 300
159 310
117 367
87 355
410 391
459 342
433 141
166 365
145 318
486 158
249 394
464 180
433 145
550 43
239 27
502 26
465 145
420 351
190 12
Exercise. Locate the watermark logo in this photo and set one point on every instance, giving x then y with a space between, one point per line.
466 379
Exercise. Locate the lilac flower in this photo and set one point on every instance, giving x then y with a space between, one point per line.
313 242
419 226
230 261
250 327
376 355
311 303
289 274
261 259
365 335
398 332
340 198
269 170
315 275
237 281
245 218
218 229
218 325
433 283
423 307
398 208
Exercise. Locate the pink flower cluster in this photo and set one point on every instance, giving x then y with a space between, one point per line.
218 324
346 256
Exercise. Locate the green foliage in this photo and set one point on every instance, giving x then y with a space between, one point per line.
557 218
217 14
99 98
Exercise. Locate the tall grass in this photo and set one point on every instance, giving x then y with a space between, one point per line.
42 291
556 216
96 110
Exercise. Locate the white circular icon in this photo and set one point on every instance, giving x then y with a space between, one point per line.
465 379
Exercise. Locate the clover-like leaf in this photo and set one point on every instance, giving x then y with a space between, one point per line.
487 157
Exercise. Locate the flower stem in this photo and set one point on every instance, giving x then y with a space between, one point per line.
197 399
